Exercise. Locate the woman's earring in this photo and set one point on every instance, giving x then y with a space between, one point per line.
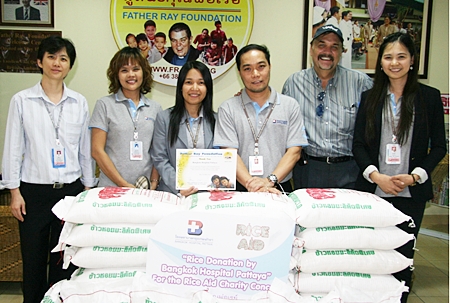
411 67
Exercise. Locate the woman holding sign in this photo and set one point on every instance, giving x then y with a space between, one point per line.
188 124
122 123
399 136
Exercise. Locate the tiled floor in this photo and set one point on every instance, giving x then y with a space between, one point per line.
431 284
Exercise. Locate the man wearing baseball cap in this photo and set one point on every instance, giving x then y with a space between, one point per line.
329 96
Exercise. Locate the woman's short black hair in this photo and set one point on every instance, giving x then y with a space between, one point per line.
54 44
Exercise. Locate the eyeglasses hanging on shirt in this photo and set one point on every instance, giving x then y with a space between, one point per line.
320 108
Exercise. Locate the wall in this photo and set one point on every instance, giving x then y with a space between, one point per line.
277 24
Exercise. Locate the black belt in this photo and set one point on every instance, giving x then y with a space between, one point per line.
330 160
55 185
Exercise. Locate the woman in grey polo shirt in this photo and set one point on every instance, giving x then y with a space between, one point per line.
122 123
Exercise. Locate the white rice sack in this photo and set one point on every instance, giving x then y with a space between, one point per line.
145 290
118 205
317 207
331 297
372 261
355 295
108 234
324 282
52 294
105 274
106 256
256 203
115 291
315 297
355 237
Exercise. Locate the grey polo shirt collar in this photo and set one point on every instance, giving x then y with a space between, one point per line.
120 97
272 98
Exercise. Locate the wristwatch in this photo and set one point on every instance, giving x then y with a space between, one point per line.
272 178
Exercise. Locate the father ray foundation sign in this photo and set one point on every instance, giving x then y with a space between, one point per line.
209 40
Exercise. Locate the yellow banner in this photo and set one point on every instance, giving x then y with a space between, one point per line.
212 23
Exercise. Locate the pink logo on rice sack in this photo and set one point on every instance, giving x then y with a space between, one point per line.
220 195
320 193
112 192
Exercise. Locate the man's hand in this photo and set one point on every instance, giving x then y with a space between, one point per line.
260 184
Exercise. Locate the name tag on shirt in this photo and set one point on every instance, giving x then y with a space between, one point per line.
393 153
255 165
59 157
136 150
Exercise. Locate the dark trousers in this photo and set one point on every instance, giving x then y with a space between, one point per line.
39 234
287 187
414 209
317 174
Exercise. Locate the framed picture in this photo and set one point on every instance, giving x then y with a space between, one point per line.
409 16
27 13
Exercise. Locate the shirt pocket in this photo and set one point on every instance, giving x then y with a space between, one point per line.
73 132
347 117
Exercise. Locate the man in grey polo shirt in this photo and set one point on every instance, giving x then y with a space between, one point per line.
264 126
328 95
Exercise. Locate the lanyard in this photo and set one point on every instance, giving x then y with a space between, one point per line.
135 120
394 129
256 137
194 140
56 126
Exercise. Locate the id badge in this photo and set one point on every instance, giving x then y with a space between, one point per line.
256 166
59 157
136 150
393 153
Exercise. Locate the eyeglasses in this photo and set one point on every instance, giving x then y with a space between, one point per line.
320 107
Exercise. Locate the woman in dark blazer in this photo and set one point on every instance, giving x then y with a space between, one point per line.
187 125
399 136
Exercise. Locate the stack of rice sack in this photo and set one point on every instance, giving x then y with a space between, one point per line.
106 233
345 242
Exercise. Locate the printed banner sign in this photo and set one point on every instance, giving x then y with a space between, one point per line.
233 256
206 169
218 29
